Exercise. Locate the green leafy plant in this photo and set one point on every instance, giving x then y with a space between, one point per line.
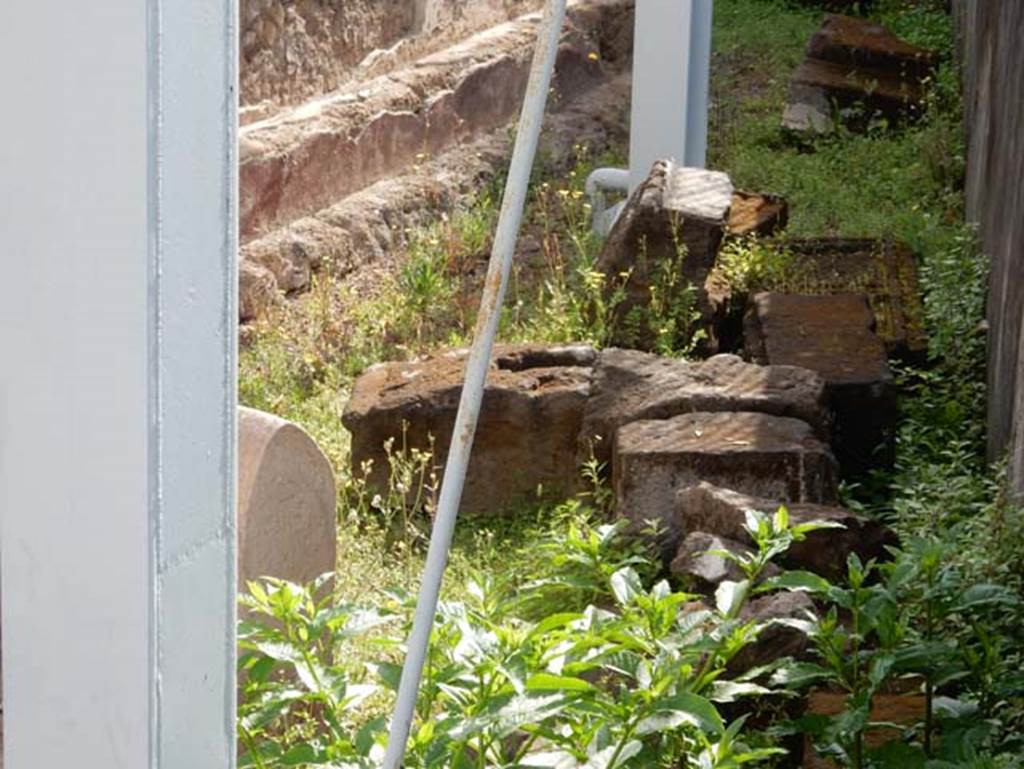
635 679
755 264
917 620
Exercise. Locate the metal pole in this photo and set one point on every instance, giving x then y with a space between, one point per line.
476 375
698 88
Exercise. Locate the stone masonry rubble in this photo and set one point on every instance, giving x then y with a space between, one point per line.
546 409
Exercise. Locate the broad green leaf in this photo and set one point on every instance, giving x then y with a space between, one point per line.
280 651
730 691
683 708
365 738
796 675
518 712
730 596
549 682
552 759
612 757
303 753
626 585
389 673
798 581
983 595
780 522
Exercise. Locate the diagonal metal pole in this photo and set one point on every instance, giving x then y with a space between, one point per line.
498 270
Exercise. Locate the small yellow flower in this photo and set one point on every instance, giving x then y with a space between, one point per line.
593 56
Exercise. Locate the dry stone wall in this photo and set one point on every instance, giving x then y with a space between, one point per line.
293 50
991 34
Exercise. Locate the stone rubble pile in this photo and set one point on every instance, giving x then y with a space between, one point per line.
547 409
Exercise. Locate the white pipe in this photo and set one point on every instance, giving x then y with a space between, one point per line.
498 270
600 180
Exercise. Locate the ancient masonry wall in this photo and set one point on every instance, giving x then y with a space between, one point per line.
293 50
991 34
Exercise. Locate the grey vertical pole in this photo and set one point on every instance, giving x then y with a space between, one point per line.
698 88
498 270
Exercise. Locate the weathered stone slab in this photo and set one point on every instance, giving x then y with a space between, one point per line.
905 711
373 223
883 270
834 337
698 561
287 502
854 63
777 640
672 225
762 455
858 43
629 386
529 422
721 512
756 214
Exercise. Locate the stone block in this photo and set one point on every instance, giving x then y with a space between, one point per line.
669 231
885 271
776 640
629 386
721 512
859 43
756 214
700 564
762 455
257 290
854 63
834 337
527 434
903 710
287 502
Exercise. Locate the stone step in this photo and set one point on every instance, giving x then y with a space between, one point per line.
371 224
304 159
834 337
761 455
291 51
721 512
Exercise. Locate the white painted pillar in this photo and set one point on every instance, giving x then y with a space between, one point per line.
699 85
671 67
117 382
